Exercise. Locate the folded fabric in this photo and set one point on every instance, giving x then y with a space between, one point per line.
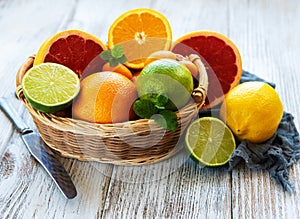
277 154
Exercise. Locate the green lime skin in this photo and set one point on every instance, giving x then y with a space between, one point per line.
50 87
209 141
169 78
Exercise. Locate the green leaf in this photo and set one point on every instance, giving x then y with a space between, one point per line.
144 108
167 119
161 100
160 107
122 59
106 55
113 62
117 51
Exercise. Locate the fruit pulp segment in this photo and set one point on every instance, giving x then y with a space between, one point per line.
74 52
210 142
218 58
50 86
141 34
139 26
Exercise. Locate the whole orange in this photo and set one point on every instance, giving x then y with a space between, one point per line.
105 97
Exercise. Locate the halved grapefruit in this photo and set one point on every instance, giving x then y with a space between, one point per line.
221 58
75 49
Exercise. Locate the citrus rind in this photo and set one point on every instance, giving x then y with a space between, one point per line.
216 90
37 87
140 34
220 145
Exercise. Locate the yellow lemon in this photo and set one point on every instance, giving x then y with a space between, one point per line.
253 111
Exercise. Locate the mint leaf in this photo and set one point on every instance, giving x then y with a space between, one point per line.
167 119
115 56
122 59
113 62
144 108
161 100
106 55
117 51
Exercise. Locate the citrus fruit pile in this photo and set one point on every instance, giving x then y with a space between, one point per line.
251 111
138 75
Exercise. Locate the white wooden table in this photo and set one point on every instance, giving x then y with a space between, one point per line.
267 35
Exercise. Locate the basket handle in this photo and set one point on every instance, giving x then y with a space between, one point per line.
199 93
23 69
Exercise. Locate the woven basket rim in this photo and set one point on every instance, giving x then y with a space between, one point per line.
59 119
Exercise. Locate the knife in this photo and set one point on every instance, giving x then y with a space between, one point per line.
40 151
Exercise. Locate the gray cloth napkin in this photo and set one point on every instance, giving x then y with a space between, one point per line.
277 154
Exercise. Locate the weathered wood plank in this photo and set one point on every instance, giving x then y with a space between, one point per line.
176 188
26 190
256 195
268 50
266 33
189 191
25 26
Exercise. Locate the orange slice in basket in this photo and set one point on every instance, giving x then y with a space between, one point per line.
75 49
140 32
221 58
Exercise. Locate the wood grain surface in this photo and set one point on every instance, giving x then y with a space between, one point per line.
267 35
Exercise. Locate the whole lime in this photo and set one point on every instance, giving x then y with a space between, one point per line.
168 78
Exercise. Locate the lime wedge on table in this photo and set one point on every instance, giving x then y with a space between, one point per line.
50 87
209 141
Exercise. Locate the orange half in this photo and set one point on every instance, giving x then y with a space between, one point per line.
75 49
140 32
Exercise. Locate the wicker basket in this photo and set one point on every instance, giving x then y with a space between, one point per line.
129 143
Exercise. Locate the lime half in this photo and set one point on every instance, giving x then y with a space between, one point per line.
50 87
210 141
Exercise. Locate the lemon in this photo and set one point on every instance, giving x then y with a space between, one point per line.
253 111
50 87
166 77
210 141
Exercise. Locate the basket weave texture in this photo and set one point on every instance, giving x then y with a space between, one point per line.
135 142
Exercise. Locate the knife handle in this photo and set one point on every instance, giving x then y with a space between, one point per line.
14 116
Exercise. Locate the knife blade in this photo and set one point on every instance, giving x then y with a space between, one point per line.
40 151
